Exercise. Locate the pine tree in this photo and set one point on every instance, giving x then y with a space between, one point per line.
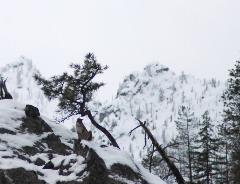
185 125
224 155
75 91
232 120
206 152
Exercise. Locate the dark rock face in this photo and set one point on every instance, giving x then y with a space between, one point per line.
99 174
6 131
31 111
69 182
48 144
19 176
39 162
97 168
55 144
35 125
79 149
33 150
49 165
125 172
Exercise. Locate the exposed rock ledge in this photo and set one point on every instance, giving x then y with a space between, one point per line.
35 150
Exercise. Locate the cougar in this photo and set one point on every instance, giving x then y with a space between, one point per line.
83 133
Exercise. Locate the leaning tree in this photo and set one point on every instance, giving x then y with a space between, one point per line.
156 147
75 91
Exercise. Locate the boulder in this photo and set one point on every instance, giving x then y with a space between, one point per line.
35 125
39 162
31 111
48 165
19 176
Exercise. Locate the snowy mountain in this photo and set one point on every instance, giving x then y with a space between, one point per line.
24 89
153 95
22 85
34 149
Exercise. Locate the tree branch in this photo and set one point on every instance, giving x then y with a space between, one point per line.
130 133
164 155
90 78
170 145
102 129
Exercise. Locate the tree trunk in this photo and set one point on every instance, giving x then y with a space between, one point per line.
227 164
165 157
207 166
1 88
189 156
102 129
7 94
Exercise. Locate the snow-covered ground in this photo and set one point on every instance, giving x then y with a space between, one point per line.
14 139
11 145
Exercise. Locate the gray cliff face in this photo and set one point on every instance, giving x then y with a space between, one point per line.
36 151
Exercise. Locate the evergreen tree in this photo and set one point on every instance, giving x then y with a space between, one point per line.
75 91
206 152
185 125
225 155
232 120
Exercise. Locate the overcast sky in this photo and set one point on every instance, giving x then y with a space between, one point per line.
199 37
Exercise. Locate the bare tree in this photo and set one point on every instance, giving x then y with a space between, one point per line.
157 147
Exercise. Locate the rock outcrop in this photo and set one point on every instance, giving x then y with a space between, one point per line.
19 176
35 150
31 111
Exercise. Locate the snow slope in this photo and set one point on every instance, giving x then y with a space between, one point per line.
16 137
12 144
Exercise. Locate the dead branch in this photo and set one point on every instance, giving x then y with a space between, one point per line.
130 133
172 167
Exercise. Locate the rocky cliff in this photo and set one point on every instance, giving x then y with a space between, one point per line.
35 150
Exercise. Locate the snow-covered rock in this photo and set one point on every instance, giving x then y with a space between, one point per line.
35 150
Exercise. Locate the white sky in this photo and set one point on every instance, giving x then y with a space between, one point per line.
201 37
